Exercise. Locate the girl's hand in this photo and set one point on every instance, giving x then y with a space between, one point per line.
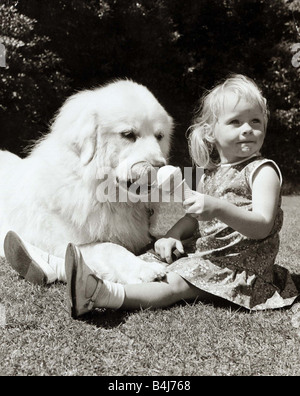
202 207
165 246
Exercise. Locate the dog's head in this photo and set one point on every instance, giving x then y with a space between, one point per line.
115 127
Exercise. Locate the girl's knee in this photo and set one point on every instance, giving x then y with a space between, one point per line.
182 288
178 284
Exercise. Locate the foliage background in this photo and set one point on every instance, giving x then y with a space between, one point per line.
178 49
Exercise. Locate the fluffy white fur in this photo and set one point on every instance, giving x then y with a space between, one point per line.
50 197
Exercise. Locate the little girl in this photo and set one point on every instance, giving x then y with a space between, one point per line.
235 217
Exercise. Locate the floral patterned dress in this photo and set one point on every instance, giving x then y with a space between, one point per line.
229 265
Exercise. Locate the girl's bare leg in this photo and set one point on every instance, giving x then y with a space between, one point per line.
160 294
154 294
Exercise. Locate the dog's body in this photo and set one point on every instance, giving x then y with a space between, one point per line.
52 197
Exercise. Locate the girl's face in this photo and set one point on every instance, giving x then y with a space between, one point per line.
240 129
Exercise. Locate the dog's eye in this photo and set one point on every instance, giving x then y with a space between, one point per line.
159 136
129 135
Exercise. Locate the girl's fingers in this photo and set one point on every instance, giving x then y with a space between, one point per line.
169 259
187 206
162 253
165 249
189 201
193 209
157 248
167 256
198 199
179 247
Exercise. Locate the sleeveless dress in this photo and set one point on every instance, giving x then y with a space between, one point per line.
227 264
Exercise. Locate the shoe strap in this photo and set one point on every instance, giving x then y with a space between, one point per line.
91 301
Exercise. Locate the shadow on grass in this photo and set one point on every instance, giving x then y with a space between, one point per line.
109 319
105 318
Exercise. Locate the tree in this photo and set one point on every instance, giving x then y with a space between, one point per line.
33 82
252 37
178 49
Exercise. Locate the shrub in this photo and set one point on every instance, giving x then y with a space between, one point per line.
33 81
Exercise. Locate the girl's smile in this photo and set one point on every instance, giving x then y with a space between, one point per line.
240 129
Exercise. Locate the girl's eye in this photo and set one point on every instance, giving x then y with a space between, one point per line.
234 122
129 135
256 121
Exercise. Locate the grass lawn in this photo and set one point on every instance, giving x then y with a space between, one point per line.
199 339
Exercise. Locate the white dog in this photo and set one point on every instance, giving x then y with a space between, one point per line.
51 197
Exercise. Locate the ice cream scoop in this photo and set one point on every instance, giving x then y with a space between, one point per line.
169 180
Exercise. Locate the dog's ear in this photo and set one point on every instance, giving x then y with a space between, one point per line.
76 125
88 149
85 143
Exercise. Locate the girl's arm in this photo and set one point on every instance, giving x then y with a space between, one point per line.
183 229
256 224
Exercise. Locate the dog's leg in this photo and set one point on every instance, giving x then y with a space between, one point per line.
116 264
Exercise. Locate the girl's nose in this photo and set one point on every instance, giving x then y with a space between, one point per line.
246 129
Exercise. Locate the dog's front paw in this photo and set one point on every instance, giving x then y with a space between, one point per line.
149 272
153 272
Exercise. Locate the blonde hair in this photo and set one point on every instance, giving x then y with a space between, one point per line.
201 133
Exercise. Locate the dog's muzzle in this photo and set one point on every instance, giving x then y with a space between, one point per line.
142 177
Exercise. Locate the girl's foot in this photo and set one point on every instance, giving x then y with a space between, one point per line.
23 259
80 300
